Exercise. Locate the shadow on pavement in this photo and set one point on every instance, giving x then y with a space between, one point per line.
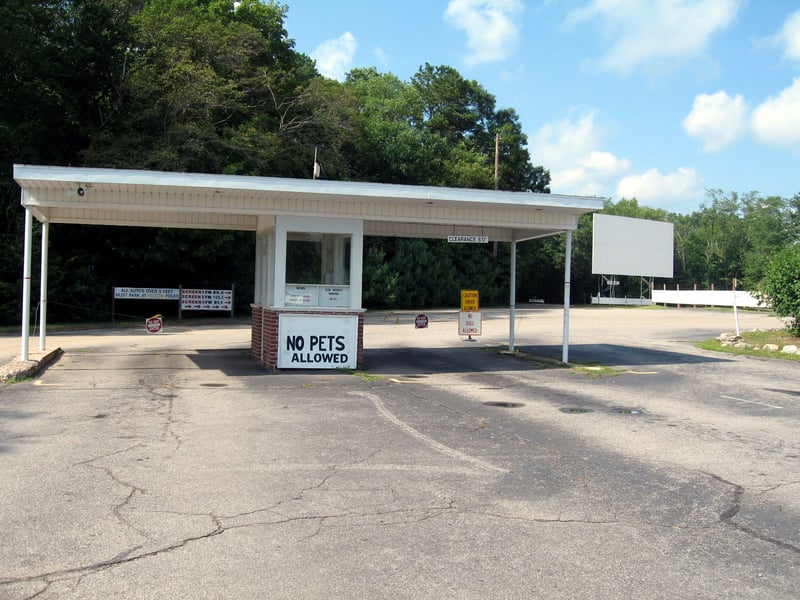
235 362
615 355
239 363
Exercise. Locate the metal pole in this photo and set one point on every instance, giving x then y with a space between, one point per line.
43 289
26 286
497 161
513 297
567 284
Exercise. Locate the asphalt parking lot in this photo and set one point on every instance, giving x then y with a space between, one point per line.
172 466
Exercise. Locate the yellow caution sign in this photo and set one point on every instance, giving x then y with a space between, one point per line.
469 301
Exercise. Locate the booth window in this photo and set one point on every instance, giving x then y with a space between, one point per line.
317 269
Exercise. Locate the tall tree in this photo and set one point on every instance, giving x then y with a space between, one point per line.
766 224
390 147
60 62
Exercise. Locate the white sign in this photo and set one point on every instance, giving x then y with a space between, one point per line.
135 293
334 296
317 342
626 246
301 295
468 239
469 323
206 299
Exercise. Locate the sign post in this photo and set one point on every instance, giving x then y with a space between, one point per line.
469 319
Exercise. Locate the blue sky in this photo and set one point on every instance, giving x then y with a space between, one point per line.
654 99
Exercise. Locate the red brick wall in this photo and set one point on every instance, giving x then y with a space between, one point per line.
264 332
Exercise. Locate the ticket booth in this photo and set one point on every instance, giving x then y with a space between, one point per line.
307 310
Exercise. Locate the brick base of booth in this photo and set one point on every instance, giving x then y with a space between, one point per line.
264 332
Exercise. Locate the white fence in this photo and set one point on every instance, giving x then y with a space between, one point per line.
706 298
686 298
605 301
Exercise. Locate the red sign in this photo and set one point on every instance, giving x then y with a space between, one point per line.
421 322
154 324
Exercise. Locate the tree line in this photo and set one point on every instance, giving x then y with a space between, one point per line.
214 86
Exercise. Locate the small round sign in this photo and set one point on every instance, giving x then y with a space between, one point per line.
421 322
154 324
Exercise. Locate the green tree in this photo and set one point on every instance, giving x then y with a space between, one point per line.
720 239
216 86
423 277
389 147
767 229
781 287
60 63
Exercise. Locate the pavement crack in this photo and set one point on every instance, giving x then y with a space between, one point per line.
133 490
120 559
614 520
89 461
728 515
416 515
120 506
778 486
167 401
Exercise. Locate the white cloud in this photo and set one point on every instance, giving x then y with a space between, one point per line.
652 188
789 37
717 119
335 57
655 33
568 148
776 121
492 31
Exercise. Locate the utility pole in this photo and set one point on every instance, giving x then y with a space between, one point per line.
497 177
496 161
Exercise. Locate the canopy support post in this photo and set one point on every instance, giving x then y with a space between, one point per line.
26 286
513 297
567 284
43 290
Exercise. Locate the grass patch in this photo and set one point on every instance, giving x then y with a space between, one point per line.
21 379
543 361
595 370
368 377
592 369
756 341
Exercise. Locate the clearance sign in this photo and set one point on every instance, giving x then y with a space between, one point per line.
317 342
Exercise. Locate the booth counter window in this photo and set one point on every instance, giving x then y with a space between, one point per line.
317 269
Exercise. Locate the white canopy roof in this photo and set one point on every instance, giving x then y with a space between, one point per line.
191 200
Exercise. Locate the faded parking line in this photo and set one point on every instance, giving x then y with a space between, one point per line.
751 402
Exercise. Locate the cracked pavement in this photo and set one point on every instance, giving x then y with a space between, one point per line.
172 466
